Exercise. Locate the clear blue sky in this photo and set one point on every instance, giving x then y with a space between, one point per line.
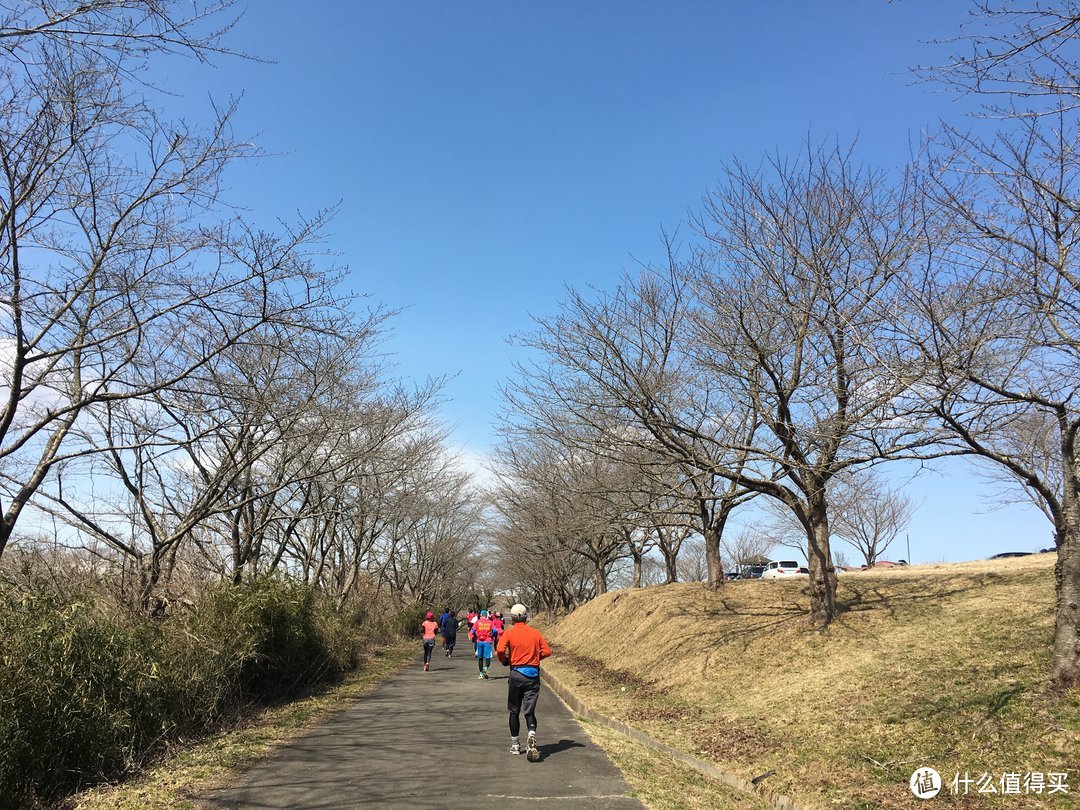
487 153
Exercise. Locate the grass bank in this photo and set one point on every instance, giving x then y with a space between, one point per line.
940 666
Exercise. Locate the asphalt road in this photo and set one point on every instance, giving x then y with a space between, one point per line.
435 739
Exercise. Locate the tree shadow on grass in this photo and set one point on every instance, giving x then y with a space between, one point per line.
755 621
864 596
853 597
1002 699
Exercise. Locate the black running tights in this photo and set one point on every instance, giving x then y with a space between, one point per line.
521 695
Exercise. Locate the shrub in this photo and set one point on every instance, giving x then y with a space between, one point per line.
85 696
406 621
80 697
267 629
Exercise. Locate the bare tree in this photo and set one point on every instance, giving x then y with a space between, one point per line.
533 559
691 563
574 496
177 386
621 366
109 247
436 535
668 526
1003 331
765 366
869 514
180 455
798 303
1017 53
1002 327
114 30
745 546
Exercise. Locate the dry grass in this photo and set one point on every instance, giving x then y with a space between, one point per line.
931 665
201 767
662 783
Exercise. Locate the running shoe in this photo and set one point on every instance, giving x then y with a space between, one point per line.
515 748
427 667
482 676
533 753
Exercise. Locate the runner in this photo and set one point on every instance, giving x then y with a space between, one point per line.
442 624
521 648
482 636
428 628
449 632
496 628
471 620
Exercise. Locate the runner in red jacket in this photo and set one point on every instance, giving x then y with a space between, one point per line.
483 632
522 648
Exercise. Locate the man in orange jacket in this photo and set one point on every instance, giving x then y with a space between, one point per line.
521 648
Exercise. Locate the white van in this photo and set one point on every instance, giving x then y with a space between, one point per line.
779 569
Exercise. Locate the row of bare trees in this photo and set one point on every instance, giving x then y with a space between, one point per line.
179 387
825 318
758 367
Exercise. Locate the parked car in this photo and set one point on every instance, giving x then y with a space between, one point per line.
779 569
1006 554
751 571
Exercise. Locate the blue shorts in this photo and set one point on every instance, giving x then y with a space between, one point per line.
483 649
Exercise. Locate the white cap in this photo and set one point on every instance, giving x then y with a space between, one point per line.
519 612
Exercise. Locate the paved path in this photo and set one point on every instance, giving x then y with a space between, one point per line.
435 739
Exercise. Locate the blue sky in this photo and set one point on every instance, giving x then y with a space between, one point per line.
485 154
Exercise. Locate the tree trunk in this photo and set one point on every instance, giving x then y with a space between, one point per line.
714 569
671 573
7 527
822 572
635 577
1065 658
150 600
599 579
235 541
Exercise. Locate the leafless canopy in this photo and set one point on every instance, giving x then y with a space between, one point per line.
181 390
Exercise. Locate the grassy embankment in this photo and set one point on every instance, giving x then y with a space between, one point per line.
940 666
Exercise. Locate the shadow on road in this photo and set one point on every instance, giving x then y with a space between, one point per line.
555 748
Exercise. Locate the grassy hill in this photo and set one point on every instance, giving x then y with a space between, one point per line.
940 666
